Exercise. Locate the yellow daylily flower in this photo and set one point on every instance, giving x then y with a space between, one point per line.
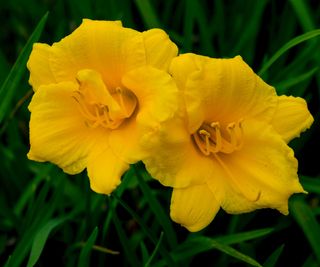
230 148
97 93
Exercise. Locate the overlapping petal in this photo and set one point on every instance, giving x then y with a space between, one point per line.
104 46
223 90
96 45
57 130
178 164
157 96
291 117
262 174
193 207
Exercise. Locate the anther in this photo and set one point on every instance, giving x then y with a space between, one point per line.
231 130
218 140
206 134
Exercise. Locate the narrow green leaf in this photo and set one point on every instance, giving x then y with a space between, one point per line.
154 253
148 13
201 243
41 238
293 42
131 256
84 257
311 185
283 86
249 33
144 252
158 211
163 251
273 258
11 83
303 13
242 237
307 221
189 248
310 262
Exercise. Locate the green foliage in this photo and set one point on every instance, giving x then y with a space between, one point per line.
48 218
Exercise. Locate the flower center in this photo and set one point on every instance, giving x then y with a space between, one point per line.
210 138
99 106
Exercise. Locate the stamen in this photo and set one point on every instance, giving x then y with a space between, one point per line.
218 140
232 133
204 150
209 138
240 139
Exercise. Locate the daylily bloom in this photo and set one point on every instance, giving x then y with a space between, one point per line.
97 93
230 148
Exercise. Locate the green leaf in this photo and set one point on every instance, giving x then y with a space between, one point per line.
11 83
201 243
273 258
154 253
86 250
163 251
293 42
41 238
131 256
245 236
148 13
283 86
158 211
307 221
303 13
310 184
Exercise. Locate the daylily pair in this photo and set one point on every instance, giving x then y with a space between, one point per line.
107 96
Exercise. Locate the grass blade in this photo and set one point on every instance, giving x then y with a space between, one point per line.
293 42
86 250
311 185
273 258
131 256
41 238
303 14
242 237
148 13
154 253
10 85
307 221
157 210
146 230
283 87
202 243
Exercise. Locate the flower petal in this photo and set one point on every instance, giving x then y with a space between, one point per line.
156 92
157 102
291 117
159 49
178 163
39 66
263 174
124 141
193 207
224 90
105 170
57 131
96 45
